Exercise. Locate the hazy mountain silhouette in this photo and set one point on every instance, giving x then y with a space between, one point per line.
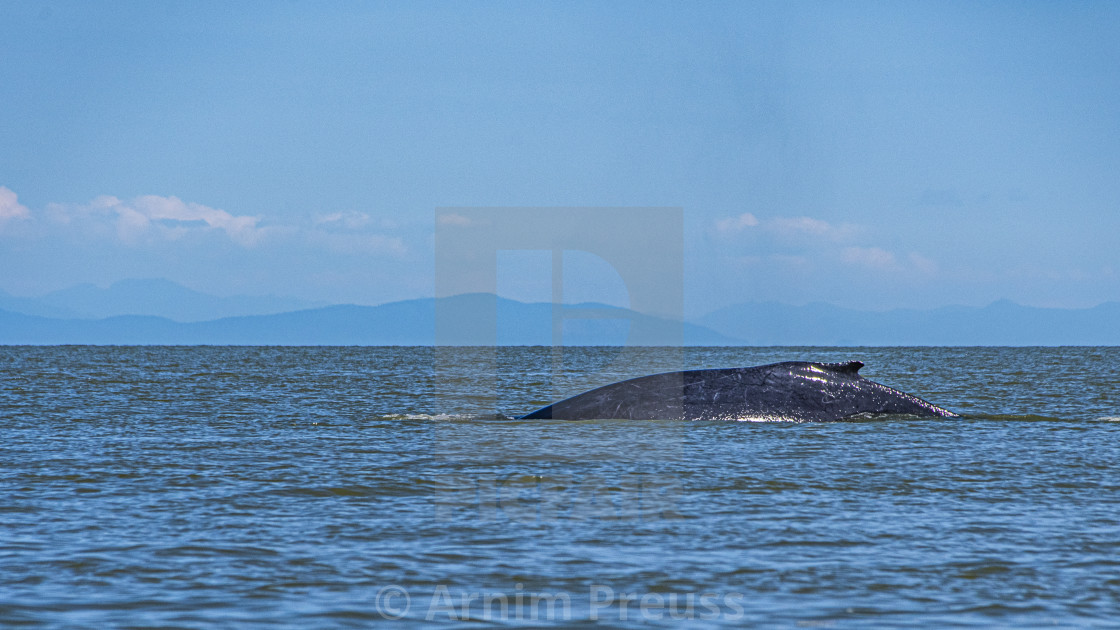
33 306
155 297
410 322
1000 323
143 312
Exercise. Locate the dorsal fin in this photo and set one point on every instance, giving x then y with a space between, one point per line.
851 367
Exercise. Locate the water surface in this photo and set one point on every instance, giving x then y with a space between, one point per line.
342 487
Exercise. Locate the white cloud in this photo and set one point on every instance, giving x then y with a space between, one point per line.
359 243
732 225
787 228
800 243
10 207
154 220
156 217
884 260
452 219
922 264
351 233
241 229
872 257
351 220
808 226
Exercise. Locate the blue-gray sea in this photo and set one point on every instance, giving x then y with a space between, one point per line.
185 487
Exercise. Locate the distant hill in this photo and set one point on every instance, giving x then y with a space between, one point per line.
410 322
1002 323
154 297
33 306
413 322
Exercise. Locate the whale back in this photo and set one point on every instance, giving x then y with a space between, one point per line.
792 390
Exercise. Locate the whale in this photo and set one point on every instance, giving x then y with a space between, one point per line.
798 391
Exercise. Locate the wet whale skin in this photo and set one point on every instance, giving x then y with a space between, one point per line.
794 390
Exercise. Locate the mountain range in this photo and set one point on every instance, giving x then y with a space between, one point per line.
162 312
408 322
150 296
1002 323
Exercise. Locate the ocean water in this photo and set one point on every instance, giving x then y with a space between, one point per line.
390 487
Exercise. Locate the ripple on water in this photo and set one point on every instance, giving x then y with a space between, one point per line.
290 486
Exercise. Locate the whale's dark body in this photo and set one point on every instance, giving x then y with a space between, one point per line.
795 390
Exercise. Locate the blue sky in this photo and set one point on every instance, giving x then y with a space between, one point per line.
873 155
